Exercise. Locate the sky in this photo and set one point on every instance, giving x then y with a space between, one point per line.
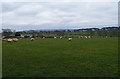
58 15
59 0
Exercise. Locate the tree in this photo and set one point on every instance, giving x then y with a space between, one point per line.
91 33
17 34
7 32
40 35
60 33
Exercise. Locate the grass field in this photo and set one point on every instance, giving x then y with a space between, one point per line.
96 57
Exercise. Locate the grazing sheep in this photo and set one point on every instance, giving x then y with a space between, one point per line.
9 40
43 37
81 36
32 39
85 36
55 37
3 39
106 37
69 39
89 36
15 39
61 37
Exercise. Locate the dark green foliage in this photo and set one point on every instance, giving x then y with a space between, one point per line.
17 34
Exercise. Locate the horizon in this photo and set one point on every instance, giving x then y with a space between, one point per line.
66 28
62 29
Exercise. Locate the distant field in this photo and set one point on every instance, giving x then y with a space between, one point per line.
96 57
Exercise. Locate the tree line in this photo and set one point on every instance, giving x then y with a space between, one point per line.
107 31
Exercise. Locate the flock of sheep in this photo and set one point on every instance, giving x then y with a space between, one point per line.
10 40
32 39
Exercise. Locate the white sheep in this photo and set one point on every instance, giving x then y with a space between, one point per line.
3 39
43 37
89 36
81 36
55 37
61 37
69 39
9 40
85 36
32 39
15 39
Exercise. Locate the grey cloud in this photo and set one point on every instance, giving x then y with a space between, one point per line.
58 15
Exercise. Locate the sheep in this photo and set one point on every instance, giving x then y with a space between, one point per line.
3 39
9 40
69 39
43 37
32 39
89 36
85 36
55 37
61 37
15 39
81 36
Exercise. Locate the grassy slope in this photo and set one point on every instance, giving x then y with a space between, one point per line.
96 57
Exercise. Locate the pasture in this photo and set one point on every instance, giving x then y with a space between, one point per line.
95 57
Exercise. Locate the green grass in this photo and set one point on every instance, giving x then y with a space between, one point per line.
96 57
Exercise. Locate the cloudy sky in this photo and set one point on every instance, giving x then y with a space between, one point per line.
58 15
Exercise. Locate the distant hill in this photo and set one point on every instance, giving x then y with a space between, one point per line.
75 30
